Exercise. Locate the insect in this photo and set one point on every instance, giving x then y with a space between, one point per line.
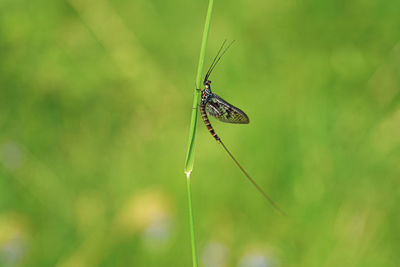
213 105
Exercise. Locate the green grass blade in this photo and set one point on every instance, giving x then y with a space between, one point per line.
193 123
191 219
193 126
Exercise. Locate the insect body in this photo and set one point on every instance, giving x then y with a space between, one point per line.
218 108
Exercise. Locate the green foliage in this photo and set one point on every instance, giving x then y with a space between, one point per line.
95 100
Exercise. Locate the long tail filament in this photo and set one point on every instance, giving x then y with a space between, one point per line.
252 181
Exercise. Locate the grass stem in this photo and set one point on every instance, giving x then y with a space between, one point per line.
193 126
193 123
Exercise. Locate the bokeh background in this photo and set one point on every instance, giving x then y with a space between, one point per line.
95 104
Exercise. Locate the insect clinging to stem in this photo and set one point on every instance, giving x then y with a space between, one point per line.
218 108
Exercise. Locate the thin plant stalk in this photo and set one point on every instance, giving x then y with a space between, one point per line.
193 126
191 218
193 123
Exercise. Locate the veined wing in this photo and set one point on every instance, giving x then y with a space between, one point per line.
225 112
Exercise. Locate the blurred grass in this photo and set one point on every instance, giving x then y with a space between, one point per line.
92 93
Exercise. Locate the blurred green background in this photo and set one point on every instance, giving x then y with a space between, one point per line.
95 104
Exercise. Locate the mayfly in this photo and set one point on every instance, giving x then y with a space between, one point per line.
218 108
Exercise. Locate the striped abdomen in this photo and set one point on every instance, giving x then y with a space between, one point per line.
207 121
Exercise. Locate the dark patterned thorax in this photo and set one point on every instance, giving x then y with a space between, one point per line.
206 94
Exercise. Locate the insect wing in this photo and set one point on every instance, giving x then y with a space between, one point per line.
225 112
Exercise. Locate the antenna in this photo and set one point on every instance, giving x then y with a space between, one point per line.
217 58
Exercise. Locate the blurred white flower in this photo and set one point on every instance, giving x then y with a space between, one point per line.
12 251
256 259
214 254
148 214
157 233
13 239
11 155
